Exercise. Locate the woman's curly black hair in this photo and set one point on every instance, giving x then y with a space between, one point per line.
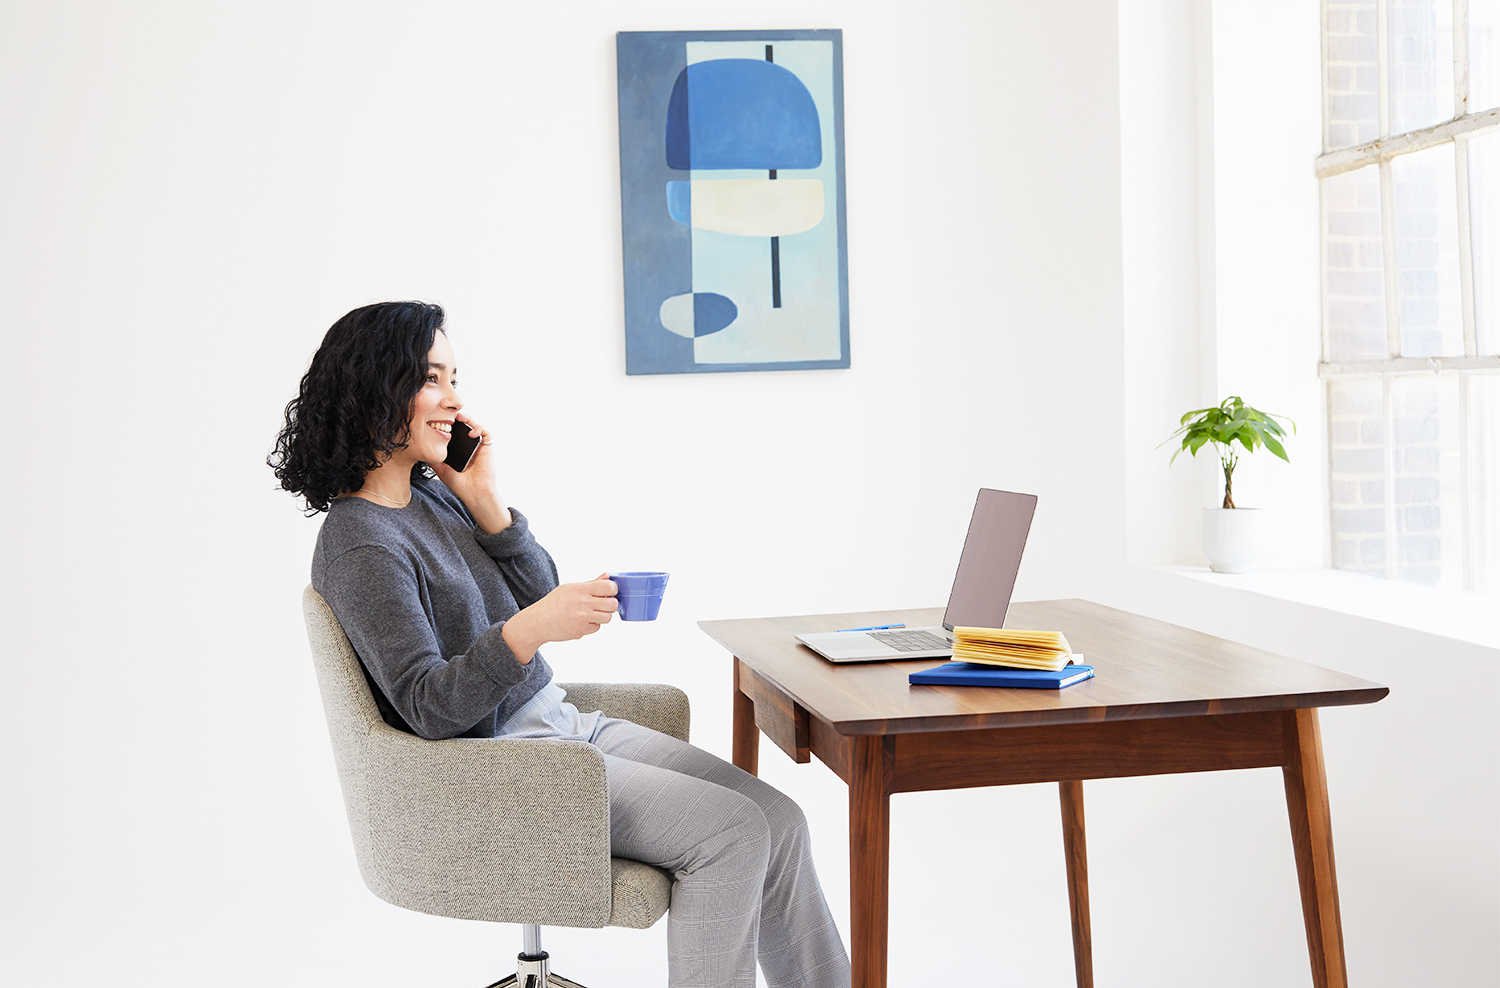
354 402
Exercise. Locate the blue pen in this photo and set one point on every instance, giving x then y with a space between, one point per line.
874 627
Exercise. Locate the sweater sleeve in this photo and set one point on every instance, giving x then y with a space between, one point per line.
375 596
528 568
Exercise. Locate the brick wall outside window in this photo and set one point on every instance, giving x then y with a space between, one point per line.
1355 307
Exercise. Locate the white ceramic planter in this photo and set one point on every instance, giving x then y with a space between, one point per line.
1230 537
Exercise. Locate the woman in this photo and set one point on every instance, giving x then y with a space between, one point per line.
447 596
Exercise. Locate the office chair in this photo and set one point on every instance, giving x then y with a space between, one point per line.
504 830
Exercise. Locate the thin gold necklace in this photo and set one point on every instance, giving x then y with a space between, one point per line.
384 498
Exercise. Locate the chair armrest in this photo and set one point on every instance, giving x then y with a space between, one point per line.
655 705
505 830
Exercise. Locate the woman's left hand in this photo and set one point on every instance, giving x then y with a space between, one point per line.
475 486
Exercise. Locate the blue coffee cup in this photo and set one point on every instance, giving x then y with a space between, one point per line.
640 594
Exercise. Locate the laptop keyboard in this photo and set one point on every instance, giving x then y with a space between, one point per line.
910 641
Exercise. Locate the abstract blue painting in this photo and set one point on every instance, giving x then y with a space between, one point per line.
732 200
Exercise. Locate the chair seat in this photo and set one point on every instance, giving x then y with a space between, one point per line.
641 894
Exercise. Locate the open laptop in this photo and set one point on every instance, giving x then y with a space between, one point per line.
986 576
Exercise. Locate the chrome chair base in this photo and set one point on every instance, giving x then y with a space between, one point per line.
531 965
531 972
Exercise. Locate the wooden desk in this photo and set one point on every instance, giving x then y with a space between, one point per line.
1165 699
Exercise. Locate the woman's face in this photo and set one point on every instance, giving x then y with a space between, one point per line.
435 403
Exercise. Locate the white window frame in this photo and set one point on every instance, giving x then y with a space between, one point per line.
1380 151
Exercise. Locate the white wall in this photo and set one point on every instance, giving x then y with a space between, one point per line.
204 188
1166 172
201 191
1266 324
1220 257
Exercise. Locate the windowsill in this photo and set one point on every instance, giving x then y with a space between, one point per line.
1467 617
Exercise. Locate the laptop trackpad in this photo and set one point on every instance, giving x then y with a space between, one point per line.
848 644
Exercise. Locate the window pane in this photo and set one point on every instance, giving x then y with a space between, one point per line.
1421 62
1353 265
1484 54
1484 480
1429 523
1422 489
1356 438
1484 235
1351 86
1426 227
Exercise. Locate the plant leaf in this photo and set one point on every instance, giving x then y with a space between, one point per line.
1226 423
1196 411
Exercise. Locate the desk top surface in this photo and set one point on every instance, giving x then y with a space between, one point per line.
1142 668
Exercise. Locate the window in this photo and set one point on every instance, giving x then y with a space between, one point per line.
1409 183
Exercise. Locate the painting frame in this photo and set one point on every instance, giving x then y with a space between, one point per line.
663 247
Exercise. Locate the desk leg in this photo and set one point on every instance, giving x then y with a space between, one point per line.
1076 852
745 743
1312 842
869 859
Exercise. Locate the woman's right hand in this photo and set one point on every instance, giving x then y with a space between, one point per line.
570 611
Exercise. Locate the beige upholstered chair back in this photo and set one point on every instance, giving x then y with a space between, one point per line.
352 716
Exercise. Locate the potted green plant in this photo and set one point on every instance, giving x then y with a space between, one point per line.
1229 531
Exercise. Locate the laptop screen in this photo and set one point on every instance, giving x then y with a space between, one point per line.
990 560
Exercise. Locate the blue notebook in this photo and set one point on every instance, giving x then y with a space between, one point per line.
979 674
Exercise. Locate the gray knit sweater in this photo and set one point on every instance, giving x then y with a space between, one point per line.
422 594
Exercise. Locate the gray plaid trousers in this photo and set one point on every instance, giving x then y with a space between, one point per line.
741 859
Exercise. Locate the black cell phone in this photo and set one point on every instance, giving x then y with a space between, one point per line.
461 447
